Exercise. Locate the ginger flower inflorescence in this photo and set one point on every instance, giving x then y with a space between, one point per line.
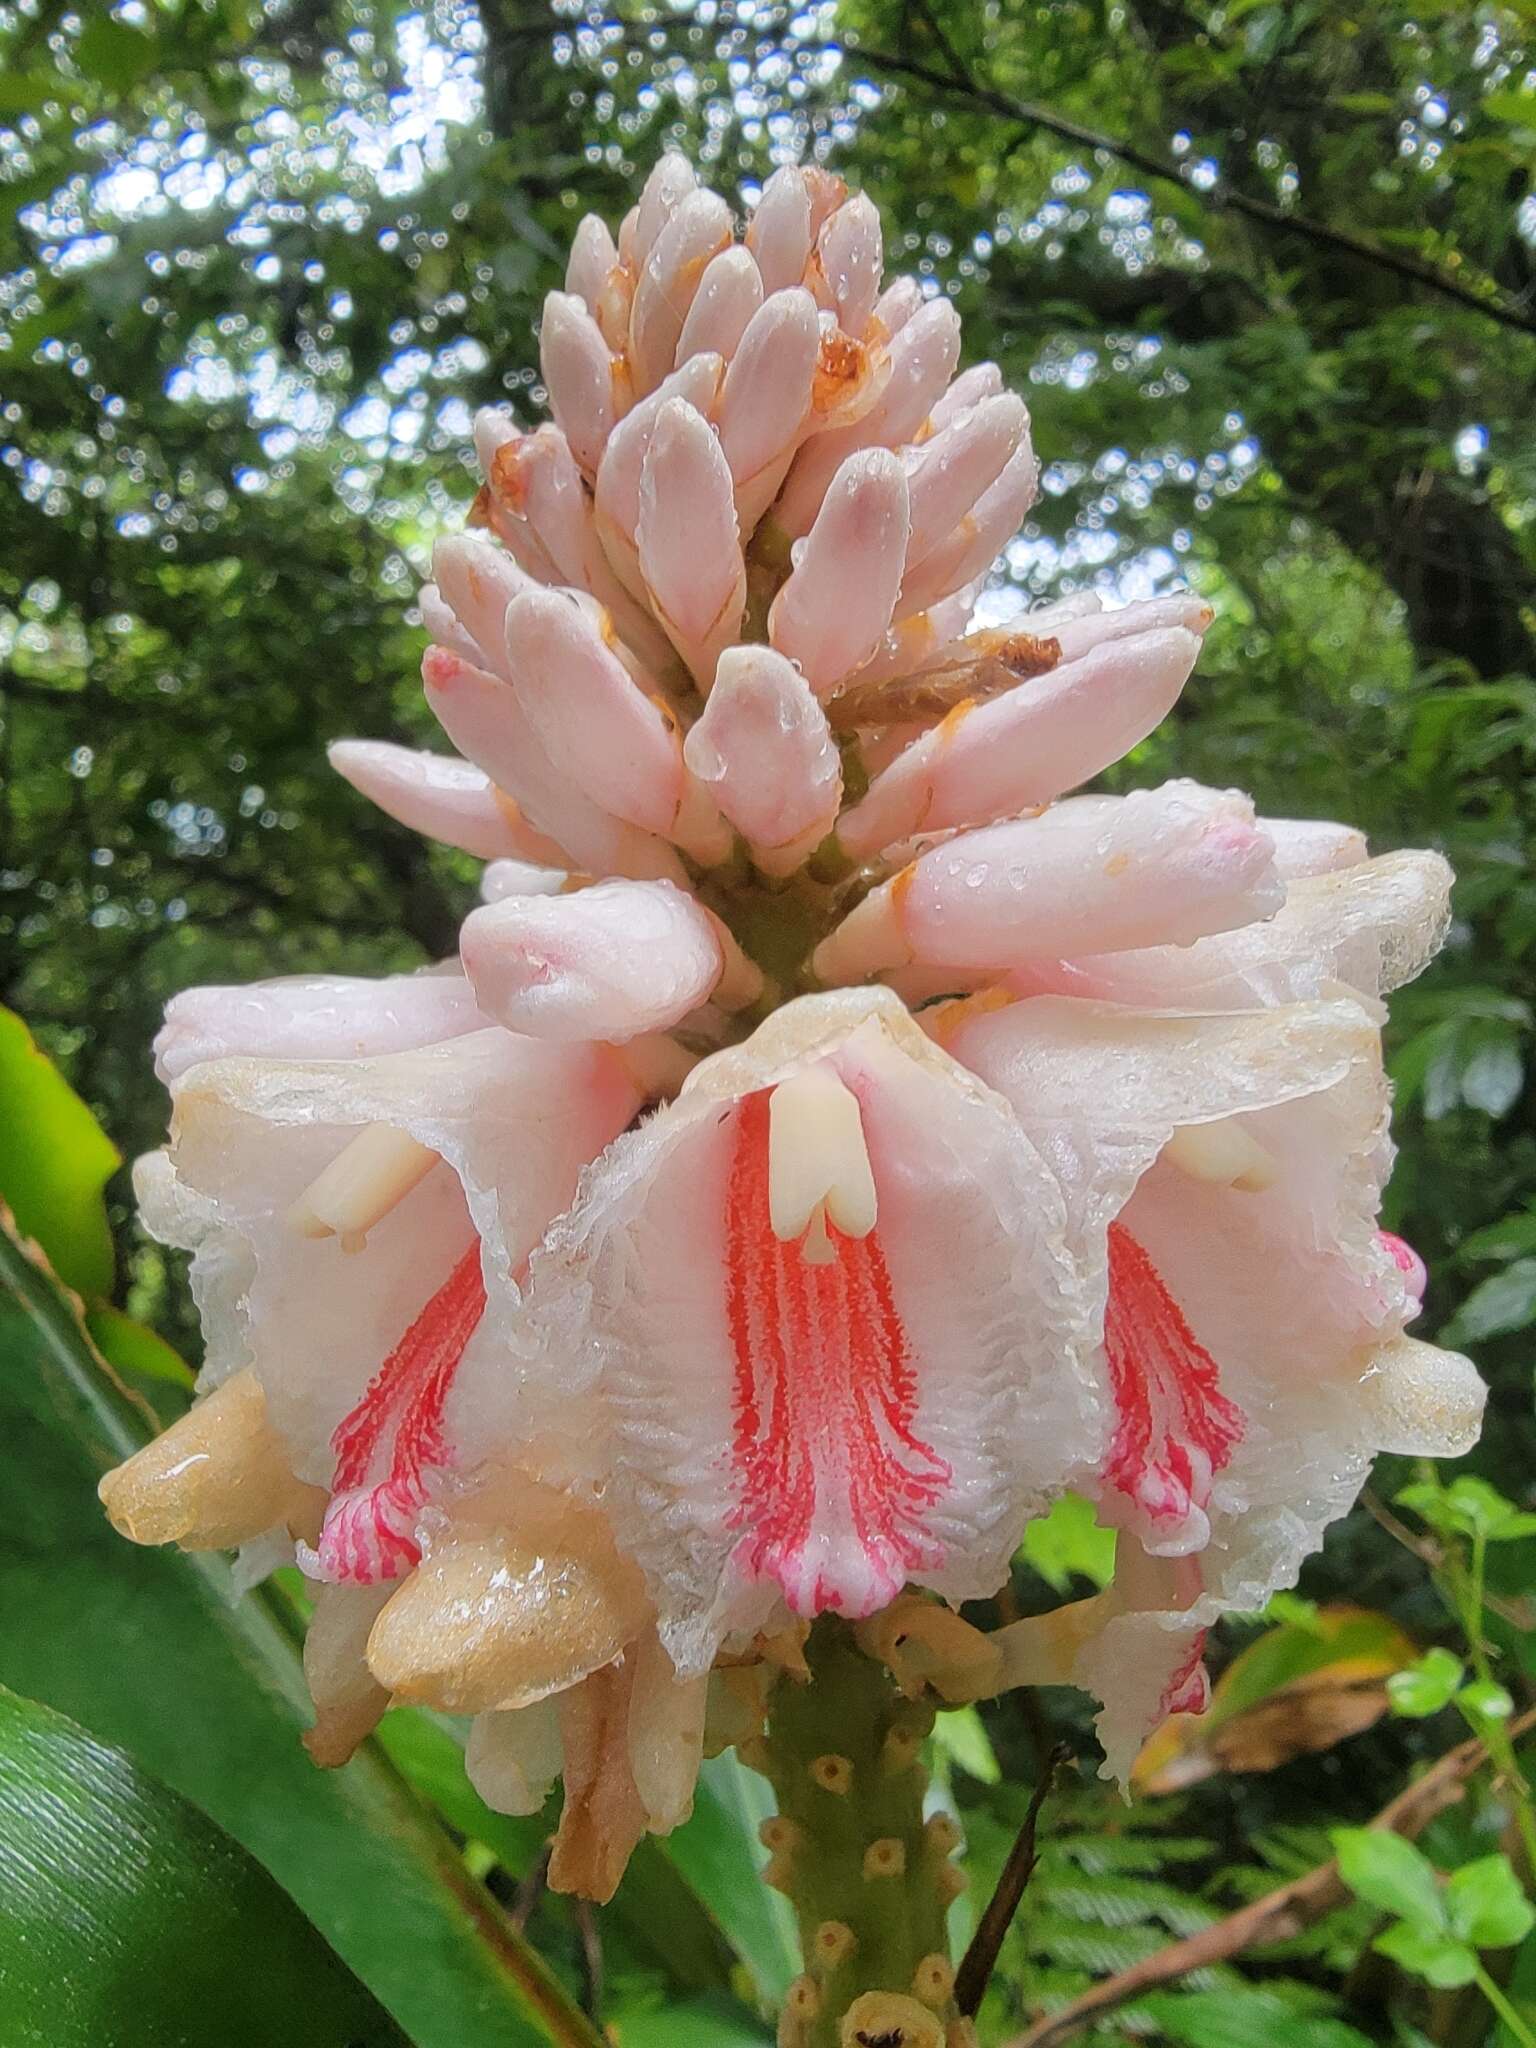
833 1140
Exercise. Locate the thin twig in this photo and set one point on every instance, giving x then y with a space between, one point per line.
1277 1916
591 1933
1518 1613
980 1959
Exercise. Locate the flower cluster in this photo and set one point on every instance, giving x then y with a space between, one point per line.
832 1142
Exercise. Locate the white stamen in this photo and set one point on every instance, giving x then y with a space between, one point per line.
818 1163
361 1185
1224 1154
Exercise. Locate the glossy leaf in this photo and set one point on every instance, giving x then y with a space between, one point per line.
131 1920
55 1159
150 1652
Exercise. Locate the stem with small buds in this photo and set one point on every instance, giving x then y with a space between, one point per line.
870 1880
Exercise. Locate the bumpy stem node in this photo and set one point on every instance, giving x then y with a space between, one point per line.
870 1880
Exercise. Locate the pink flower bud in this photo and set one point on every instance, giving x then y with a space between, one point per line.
486 722
593 721
833 611
981 380
594 254
779 233
764 751
1163 866
670 183
698 230
690 555
845 271
1026 746
921 357
582 378
440 796
611 962
969 551
945 476
896 305
617 497
729 293
766 396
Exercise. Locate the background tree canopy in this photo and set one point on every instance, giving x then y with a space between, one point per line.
1267 275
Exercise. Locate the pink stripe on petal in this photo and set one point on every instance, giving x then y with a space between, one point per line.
1175 1429
393 1439
832 1479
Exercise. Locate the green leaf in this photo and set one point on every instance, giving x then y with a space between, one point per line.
135 1348
1069 1541
1504 1302
114 55
960 1734
692 2023
1389 1873
719 1853
1427 1686
1486 1701
1239 2018
151 1652
1438 1958
1469 1506
1486 1906
55 1159
131 1920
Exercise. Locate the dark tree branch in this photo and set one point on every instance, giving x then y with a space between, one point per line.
1221 198
980 1959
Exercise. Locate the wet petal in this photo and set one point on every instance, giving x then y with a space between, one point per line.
1162 865
689 549
438 795
609 962
314 1016
729 293
764 751
833 611
1026 746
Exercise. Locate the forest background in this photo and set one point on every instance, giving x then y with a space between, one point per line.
1266 274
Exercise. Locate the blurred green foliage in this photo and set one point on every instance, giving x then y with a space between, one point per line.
1267 275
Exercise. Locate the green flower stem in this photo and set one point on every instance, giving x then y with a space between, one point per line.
1467 1586
870 1880
1505 2010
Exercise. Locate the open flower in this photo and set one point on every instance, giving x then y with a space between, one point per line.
838 1136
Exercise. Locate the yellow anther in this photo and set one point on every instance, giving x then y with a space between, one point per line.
833 1774
885 1858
